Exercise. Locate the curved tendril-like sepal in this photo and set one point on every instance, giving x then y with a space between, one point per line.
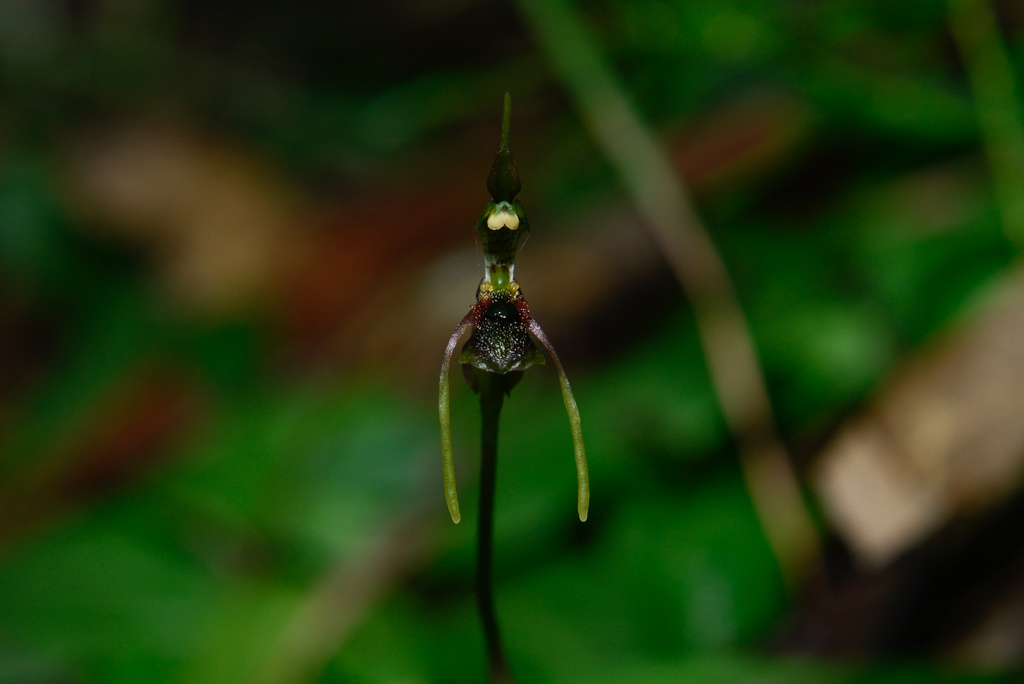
451 494
582 478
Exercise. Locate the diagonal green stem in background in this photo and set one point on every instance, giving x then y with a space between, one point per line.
492 395
996 103
661 196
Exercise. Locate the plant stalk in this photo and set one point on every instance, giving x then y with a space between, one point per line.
997 105
492 394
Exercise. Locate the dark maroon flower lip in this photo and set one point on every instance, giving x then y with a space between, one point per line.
500 342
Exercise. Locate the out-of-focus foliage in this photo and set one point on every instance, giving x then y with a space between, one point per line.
234 237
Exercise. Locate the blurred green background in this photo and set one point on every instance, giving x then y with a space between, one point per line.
234 238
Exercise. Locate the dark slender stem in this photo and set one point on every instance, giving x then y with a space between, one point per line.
492 395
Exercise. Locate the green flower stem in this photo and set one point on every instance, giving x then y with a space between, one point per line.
492 394
506 121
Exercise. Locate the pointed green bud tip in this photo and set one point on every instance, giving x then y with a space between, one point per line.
503 183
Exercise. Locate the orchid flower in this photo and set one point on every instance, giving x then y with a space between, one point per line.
501 343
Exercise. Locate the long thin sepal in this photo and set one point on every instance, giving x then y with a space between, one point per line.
451 493
582 478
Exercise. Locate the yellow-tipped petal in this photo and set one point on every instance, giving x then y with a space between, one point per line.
451 493
582 477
